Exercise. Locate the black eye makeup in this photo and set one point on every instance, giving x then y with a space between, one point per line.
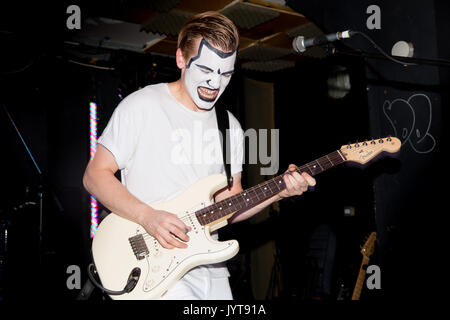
204 68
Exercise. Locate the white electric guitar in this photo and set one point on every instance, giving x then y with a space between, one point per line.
126 256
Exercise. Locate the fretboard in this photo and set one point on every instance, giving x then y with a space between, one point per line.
361 277
264 190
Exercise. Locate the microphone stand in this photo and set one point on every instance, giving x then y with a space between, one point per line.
364 54
41 189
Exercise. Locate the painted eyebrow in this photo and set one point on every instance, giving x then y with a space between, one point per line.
204 67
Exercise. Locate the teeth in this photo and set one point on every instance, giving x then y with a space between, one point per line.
208 93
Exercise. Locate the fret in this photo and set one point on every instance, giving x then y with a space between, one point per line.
200 212
212 213
229 203
315 170
306 169
280 183
267 188
343 159
330 161
271 184
262 190
245 199
319 165
255 192
228 206
311 171
237 204
219 211
324 163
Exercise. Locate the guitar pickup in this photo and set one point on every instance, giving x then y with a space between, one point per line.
139 246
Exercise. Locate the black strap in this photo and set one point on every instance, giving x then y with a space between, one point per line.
223 123
86 291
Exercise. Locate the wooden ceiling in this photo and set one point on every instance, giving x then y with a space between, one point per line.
270 33
266 28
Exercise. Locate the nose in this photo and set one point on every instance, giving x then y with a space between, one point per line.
214 82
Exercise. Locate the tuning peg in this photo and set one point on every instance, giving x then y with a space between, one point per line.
389 139
380 141
349 146
372 142
365 143
356 144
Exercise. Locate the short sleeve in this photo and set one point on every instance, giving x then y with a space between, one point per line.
121 134
237 144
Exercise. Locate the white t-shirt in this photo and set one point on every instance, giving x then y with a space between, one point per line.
162 147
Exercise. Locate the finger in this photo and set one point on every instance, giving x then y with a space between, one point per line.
292 186
163 242
288 182
311 181
181 234
170 239
299 182
296 186
179 224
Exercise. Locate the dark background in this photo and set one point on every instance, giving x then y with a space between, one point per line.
401 199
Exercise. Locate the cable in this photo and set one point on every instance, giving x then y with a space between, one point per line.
131 283
19 70
382 51
90 65
23 141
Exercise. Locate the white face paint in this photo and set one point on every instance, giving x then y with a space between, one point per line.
208 74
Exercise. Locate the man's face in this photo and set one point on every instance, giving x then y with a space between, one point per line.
208 74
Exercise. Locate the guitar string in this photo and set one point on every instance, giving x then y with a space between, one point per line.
333 156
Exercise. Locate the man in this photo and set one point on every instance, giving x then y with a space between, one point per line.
142 139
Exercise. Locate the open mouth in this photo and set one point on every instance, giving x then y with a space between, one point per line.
207 94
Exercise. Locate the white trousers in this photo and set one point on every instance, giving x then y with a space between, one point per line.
199 285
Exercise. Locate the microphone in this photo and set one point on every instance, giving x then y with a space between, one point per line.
300 43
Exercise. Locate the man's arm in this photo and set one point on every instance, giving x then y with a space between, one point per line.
296 184
100 181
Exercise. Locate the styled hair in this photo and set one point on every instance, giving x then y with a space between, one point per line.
214 27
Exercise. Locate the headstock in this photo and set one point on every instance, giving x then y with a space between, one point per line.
363 152
369 245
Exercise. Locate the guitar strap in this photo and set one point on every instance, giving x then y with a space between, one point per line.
223 123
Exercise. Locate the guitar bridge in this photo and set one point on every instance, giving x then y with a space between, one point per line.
139 246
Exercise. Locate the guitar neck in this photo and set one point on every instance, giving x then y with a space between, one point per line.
361 277
257 194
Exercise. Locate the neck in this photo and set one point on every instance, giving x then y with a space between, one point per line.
257 194
179 92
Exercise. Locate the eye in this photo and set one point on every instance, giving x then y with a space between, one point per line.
205 71
227 75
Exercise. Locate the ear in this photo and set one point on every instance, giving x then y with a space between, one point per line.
181 63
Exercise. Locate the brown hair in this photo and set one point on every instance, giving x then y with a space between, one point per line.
214 27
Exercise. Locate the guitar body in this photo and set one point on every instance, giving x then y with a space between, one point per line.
115 256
